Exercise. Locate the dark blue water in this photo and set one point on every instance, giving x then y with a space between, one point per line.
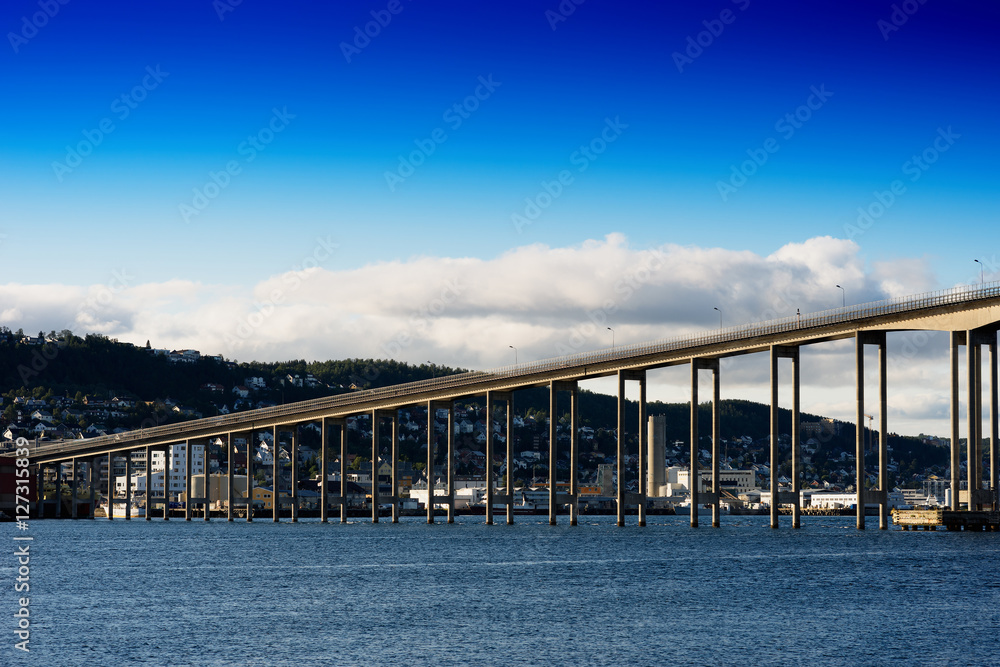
177 593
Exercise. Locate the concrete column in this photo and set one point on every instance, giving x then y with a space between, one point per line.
376 423
509 401
450 468
553 450
207 503
168 455
859 445
92 483
275 479
642 448
994 477
621 448
695 475
883 435
431 443
295 473
111 487
231 495
324 477
128 485
574 454
796 443
774 437
188 483
250 479
395 466
975 415
149 483
716 486
957 338
343 470
489 458
74 490
40 490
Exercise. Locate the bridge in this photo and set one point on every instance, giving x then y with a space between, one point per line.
971 314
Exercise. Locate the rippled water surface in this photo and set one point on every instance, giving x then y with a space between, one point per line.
219 593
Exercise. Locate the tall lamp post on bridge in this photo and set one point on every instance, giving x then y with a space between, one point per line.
981 277
720 315
612 337
515 353
843 296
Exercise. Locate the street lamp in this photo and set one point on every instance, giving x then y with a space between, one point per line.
612 337
720 316
843 295
980 270
515 353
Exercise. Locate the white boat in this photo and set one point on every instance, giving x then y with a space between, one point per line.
118 510
685 509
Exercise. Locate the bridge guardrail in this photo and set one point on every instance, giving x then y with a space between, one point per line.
951 296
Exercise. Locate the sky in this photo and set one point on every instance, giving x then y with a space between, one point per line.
463 182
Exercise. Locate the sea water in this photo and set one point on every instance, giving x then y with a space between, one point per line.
219 593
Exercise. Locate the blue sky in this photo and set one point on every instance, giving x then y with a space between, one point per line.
664 130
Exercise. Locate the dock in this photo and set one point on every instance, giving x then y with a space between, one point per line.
950 519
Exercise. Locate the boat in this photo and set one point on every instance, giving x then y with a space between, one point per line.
118 510
684 508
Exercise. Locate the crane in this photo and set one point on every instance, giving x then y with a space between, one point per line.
870 419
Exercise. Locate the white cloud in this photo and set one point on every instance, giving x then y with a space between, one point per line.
544 301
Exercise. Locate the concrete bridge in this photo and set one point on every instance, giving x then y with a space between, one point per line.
970 313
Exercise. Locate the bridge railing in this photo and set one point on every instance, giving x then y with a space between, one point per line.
953 296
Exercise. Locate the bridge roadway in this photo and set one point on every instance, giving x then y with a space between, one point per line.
970 313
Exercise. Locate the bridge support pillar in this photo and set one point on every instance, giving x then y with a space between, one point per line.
324 475
168 461
128 485
878 338
230 482
574 454
74 489
994 424
450 468
554 388
623 376
788 352
276 477
343 470
883 434
207 502
376 436
694 477
111 486
490 397
188 481
92 465
394 449
250 479
149 483
295 473
957 339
